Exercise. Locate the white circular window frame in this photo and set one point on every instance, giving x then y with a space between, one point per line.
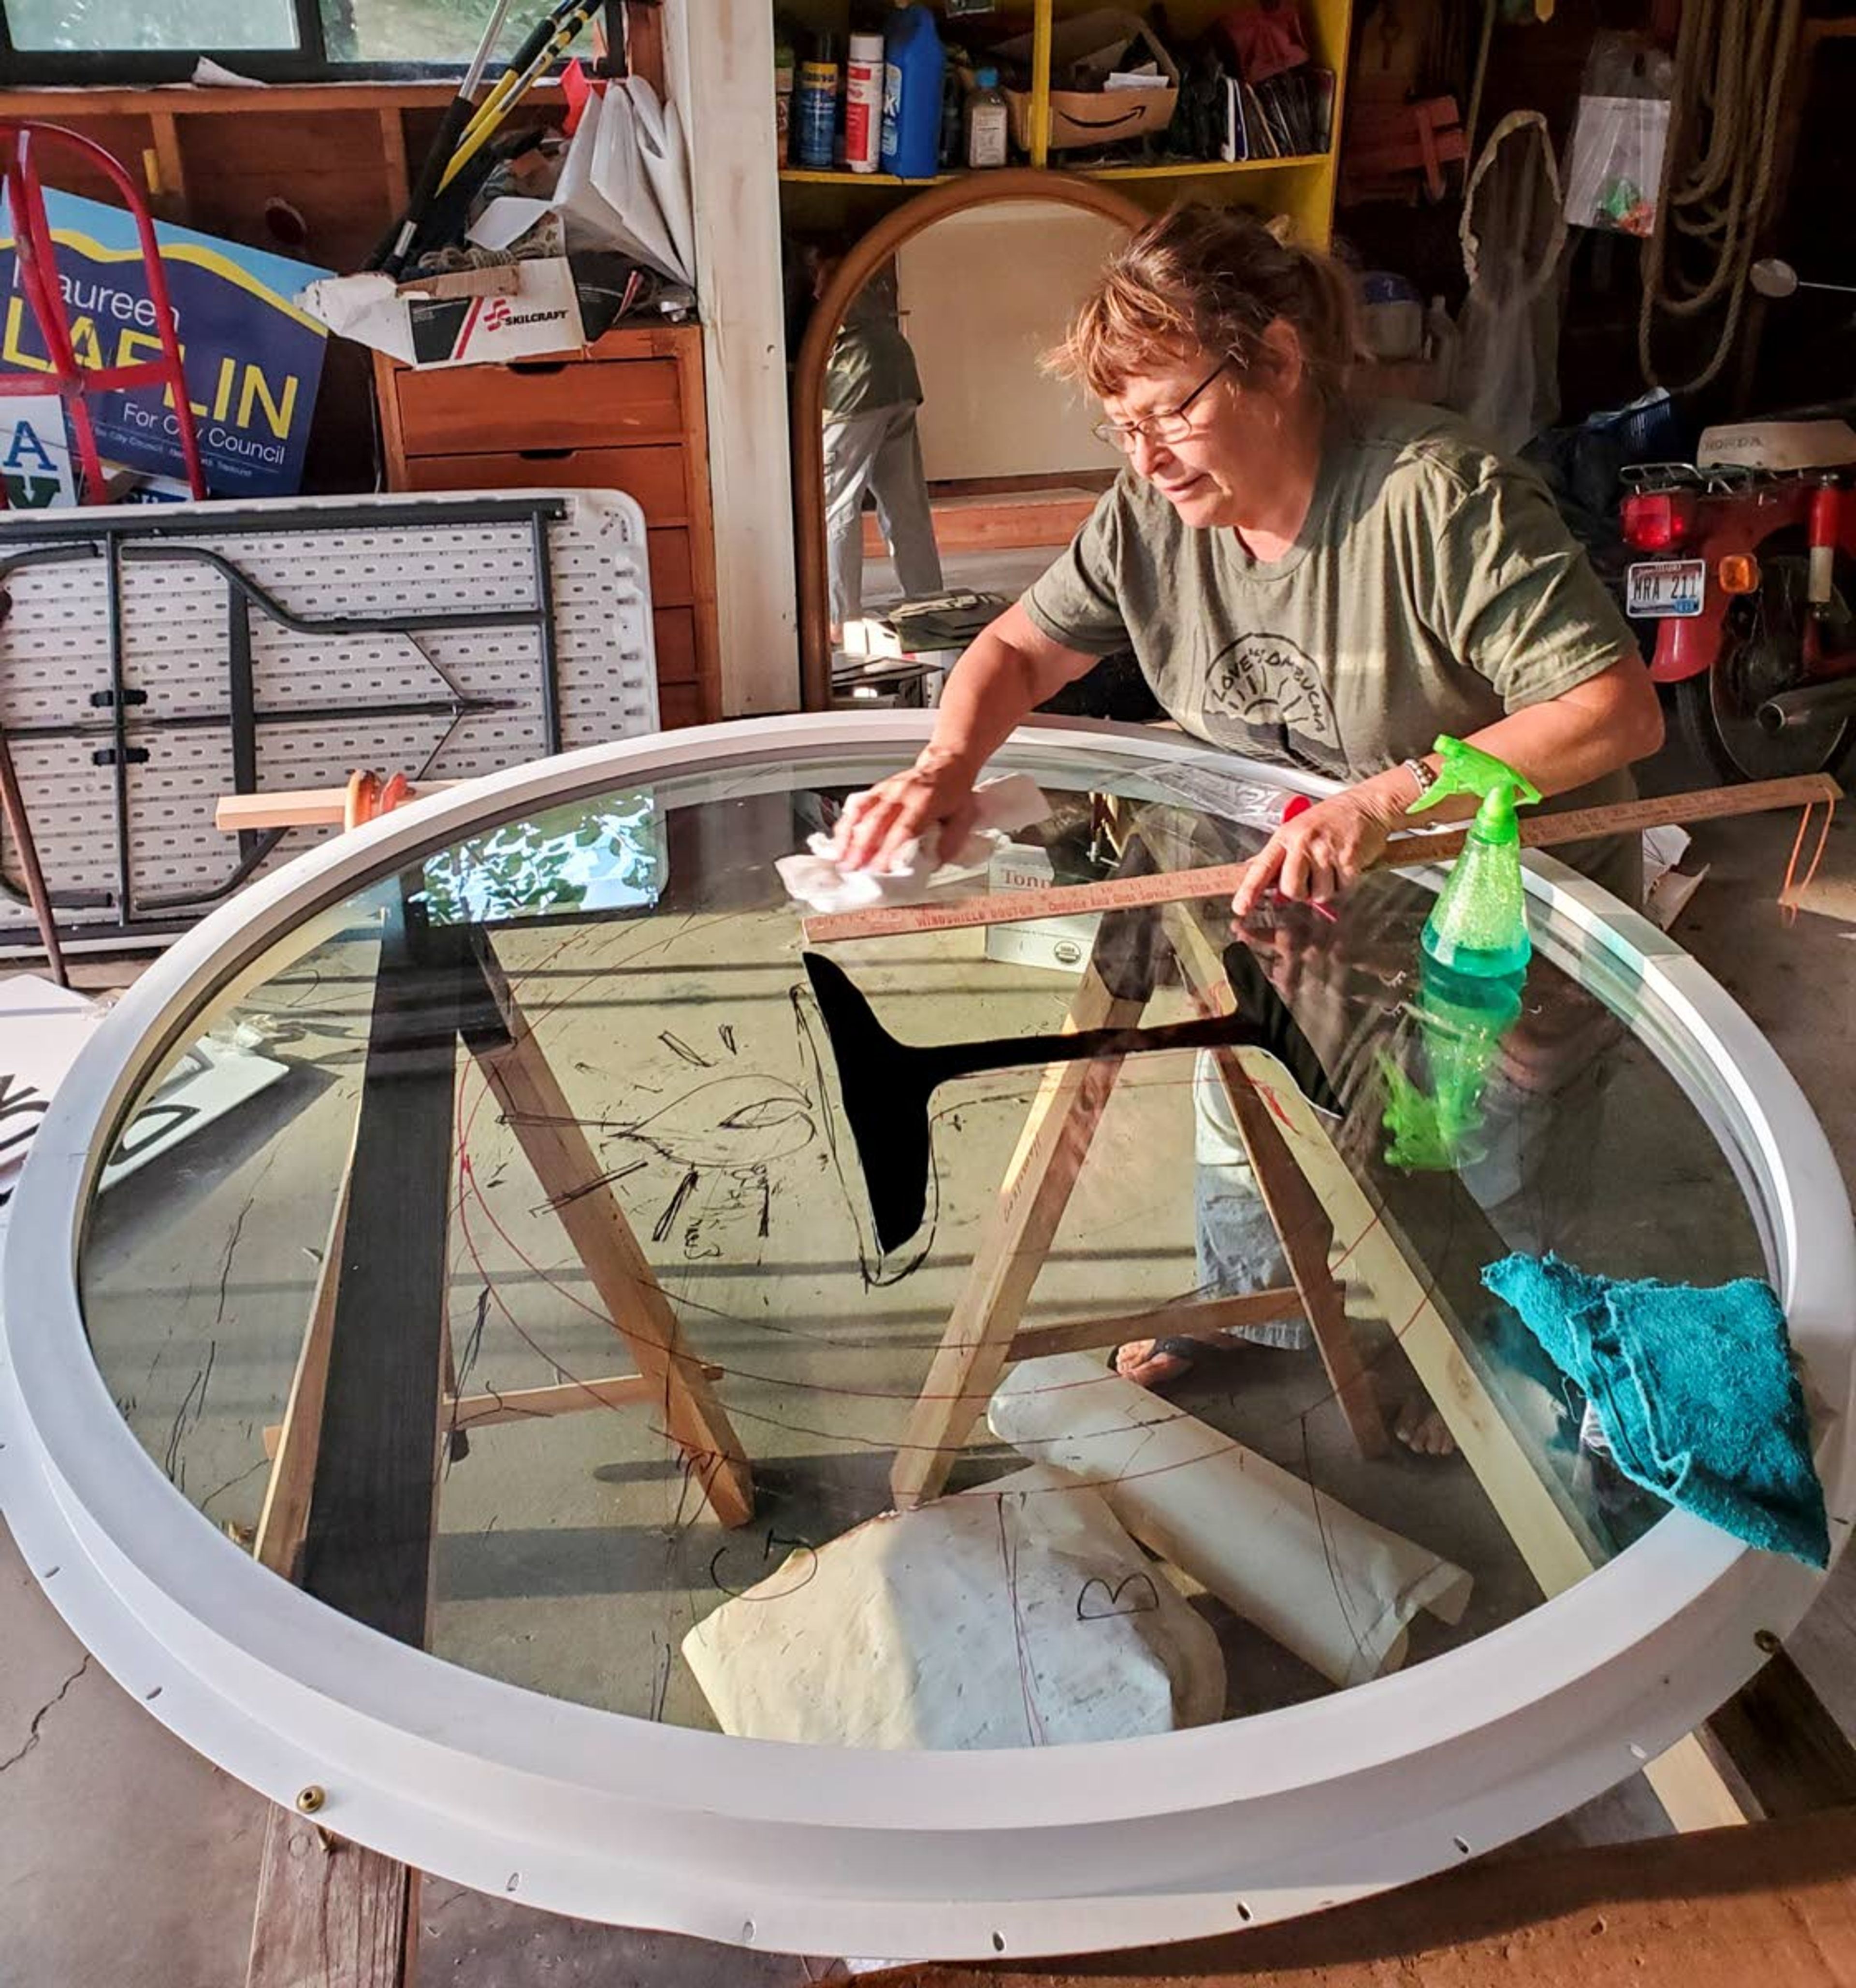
911 1855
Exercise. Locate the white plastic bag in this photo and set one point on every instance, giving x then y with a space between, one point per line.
620 168
1615 162
1506 376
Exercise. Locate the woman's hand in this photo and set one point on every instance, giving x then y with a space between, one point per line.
1314 857
936 792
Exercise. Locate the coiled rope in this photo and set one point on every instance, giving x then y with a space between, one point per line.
1732 58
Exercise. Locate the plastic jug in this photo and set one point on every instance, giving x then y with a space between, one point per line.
914 62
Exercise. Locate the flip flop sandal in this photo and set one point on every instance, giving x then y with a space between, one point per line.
1176 1347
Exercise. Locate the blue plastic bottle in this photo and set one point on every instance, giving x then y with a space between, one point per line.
914 62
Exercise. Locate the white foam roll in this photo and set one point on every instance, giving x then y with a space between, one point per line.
1334 1589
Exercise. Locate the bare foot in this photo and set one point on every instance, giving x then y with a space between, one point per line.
1420 1428
1151 1363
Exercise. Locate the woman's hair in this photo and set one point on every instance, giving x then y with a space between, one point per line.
1215 277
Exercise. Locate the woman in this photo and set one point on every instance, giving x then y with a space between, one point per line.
1304 578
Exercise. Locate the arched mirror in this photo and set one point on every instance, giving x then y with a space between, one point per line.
931 453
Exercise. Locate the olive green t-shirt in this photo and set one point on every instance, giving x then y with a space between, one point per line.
1433 588
871 364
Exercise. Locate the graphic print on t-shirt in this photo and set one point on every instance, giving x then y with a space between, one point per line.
1272 689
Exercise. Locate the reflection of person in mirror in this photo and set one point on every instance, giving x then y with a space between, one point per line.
1304 576
871 390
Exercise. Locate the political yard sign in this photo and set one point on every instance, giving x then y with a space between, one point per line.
35 453
253 359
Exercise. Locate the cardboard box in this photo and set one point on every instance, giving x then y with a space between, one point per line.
511 310
1059 945
1119 109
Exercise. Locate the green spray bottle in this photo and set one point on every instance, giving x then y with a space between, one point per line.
1479 924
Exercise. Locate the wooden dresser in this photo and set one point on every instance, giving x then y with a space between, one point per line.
626 413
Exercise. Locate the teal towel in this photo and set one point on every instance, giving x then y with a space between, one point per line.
1693 1389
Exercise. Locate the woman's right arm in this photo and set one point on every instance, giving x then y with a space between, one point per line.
1010 669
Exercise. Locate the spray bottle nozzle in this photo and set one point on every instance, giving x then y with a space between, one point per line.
1467 770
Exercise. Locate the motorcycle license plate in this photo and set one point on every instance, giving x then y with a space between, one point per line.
1654 590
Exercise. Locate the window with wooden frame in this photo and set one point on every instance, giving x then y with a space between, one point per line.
302 41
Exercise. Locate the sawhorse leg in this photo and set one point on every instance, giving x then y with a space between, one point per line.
538 1111
1018 1236
1295 1211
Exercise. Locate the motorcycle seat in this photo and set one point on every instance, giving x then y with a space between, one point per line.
1777 447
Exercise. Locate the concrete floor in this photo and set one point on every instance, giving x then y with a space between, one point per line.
96 1798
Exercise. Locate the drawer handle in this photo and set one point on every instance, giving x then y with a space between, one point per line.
544 455
536 365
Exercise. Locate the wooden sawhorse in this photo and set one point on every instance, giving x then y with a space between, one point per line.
983 1335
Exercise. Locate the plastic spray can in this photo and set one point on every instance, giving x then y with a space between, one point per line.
863 114
914 64
815 107
986 118
1479 924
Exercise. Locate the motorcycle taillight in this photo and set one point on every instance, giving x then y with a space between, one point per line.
1658 522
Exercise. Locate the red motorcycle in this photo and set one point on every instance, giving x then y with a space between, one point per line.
1747 561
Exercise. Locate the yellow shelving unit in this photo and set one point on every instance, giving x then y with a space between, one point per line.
1302 188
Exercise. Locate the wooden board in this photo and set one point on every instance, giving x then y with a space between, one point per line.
1793 1755
368 1550
330 1914
1208 1319
285 1517
459 1414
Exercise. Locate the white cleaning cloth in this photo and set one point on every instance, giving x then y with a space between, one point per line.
820 881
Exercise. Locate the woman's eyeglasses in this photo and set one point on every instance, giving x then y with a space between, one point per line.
1174 424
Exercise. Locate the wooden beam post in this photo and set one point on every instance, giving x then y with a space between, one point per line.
461 1414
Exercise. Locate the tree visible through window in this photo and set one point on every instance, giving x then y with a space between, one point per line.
415 31
440 34
92 26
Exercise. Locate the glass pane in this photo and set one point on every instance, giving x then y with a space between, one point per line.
573 1103
443 31
177 26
